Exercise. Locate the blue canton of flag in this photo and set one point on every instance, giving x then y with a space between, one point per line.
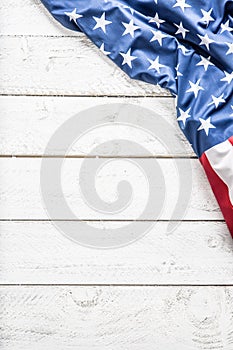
185 46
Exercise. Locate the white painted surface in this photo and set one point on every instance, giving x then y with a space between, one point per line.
195 253
146 307
37 21
25 128
63 66
117 317
21 196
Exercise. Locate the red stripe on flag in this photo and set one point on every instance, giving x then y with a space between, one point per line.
231 140
220 190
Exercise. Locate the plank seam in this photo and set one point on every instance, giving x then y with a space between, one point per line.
114 285
39 156
109 220
155 95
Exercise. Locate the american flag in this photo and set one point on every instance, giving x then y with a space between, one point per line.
185 46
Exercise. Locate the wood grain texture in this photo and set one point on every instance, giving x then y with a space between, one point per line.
194 253
62 318
28 123
21 192
40 57
32 19
63 66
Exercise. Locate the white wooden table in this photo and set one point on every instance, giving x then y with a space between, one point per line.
172 292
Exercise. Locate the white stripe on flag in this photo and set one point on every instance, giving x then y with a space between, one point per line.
220 158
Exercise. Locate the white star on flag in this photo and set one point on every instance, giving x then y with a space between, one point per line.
230 48
178 74
103 50
184 115
182 4
130 28
156 20
207 18
155 64
127 58
159 36
205 40
101 22
195 87
205 62
182 48
228 77
226 27
232 109
206 125
73 15
217 100
181 30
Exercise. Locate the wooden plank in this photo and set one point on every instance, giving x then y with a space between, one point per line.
63 66
115 318
21 193
194 253
32 19
28 123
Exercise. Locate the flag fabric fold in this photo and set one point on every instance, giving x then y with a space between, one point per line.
185 46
